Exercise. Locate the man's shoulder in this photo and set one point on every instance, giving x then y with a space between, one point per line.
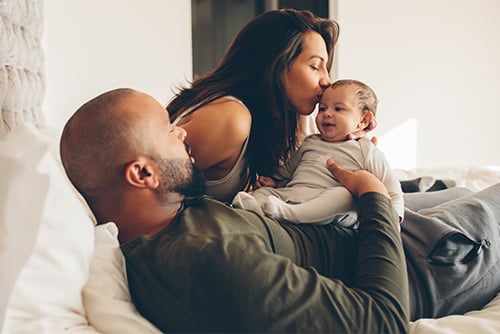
219 216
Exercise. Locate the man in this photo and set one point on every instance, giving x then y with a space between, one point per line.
197 265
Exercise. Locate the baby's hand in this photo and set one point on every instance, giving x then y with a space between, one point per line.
265 181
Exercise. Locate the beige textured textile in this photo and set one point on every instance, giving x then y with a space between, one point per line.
22 78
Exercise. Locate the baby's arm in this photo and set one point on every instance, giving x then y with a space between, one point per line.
377 164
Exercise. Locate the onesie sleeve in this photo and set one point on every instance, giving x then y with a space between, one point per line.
377 164
253 290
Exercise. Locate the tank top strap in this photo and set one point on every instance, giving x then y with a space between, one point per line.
198 105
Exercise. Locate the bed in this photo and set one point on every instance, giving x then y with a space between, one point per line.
58 271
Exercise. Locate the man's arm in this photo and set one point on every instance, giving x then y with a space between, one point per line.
244 287
267 292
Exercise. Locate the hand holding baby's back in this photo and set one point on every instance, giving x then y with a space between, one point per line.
357 182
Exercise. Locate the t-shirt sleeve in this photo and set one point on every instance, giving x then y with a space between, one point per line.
251 289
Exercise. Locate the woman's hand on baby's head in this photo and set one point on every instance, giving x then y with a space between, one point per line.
265 181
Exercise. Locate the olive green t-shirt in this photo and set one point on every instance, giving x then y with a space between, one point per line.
219 269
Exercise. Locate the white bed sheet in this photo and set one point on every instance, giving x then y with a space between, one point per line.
484 321
473 177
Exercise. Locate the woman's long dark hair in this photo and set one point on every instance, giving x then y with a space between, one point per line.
251 70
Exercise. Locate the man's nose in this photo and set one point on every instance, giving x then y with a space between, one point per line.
181 133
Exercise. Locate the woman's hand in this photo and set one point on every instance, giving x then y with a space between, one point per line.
265 181
357 182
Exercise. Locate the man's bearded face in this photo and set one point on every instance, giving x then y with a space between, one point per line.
181 176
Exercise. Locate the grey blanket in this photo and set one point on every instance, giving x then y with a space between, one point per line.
453 250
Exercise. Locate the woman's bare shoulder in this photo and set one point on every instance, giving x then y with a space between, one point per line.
217 132
226 116
230 108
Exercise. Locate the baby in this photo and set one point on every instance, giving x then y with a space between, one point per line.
304 191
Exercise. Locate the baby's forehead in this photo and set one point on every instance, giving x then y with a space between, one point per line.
346 86
340 91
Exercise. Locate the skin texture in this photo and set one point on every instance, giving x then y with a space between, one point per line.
216 133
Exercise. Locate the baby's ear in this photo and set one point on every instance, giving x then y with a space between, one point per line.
366 119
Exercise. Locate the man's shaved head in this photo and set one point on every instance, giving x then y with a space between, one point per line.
104 130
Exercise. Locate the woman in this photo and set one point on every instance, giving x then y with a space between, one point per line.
244 118
246 115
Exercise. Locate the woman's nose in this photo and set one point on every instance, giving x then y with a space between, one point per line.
325 82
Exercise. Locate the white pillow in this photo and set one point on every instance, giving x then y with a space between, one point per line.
46 240
484 321
106 296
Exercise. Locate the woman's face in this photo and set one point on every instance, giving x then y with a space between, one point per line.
308 76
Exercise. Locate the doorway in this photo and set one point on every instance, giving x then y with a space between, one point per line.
215 23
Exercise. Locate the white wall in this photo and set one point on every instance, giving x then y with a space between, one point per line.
435 67
96 45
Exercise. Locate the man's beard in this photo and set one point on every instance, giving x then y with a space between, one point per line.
181 176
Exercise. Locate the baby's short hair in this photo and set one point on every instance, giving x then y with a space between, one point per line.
367 99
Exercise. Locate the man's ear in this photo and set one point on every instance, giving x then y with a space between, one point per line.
140 173
366 119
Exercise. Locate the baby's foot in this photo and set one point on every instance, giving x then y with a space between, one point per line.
244 200
271 207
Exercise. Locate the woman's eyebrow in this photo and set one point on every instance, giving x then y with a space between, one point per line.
317 56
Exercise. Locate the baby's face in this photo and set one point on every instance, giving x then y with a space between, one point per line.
339 113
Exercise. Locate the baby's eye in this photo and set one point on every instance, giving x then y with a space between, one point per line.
322 108
338 109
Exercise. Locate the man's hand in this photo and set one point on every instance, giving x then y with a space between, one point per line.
357 182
